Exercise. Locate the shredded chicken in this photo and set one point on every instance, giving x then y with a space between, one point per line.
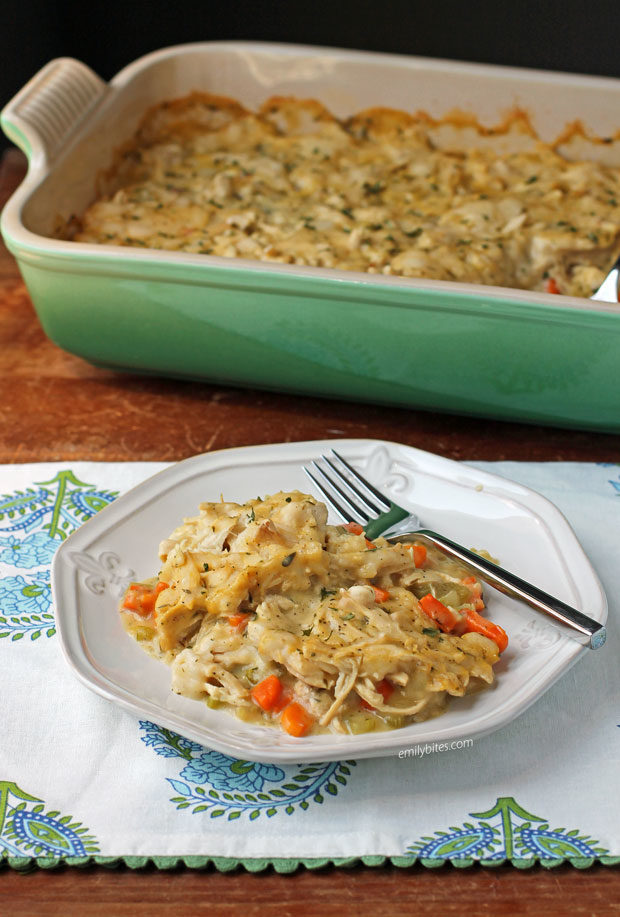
382 192
267 591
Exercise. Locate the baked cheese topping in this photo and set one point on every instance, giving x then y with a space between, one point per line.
265 609
291 184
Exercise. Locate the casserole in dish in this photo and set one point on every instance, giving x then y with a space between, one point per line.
384 192
437 345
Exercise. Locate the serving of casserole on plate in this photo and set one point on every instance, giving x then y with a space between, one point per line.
265 610
94 568
271 194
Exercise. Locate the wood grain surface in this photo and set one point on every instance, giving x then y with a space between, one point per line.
380 892
54 406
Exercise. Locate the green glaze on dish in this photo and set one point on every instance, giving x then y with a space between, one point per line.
429 349
438 346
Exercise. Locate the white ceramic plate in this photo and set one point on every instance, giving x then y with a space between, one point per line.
521 528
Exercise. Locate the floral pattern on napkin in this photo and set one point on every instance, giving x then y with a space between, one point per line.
33 522
219 785
27 829
506 831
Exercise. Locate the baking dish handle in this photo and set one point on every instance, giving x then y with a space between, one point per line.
51 106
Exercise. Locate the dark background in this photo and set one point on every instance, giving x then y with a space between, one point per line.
574 35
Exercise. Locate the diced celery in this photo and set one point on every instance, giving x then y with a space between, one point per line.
358 723
394 720
453 594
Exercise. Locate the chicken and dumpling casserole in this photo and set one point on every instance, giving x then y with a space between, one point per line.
264 609
377 192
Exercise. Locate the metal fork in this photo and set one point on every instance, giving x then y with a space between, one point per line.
610 287
357 500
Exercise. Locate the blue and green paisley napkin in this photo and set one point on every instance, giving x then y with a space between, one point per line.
83 781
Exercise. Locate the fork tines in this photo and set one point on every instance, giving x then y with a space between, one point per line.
345 497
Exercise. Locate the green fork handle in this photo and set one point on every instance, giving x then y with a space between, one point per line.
385 521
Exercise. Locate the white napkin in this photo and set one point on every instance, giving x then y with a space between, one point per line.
80 778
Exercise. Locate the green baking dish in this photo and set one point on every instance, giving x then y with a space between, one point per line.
435 345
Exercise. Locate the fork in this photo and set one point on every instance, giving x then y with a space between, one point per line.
355 499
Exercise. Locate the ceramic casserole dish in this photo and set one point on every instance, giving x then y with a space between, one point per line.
436 345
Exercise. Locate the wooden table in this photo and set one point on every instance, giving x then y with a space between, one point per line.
54 406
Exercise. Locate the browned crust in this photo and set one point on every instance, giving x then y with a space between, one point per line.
181 117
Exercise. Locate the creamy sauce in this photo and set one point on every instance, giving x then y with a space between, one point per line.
268 590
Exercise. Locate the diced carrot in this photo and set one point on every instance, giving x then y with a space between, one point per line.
370 545
296 720
477 624
551 286
384 688
131 600
285 699
381 595
476 592
440 613
239 621
354 527
141 598
267 693
418 553
147 602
